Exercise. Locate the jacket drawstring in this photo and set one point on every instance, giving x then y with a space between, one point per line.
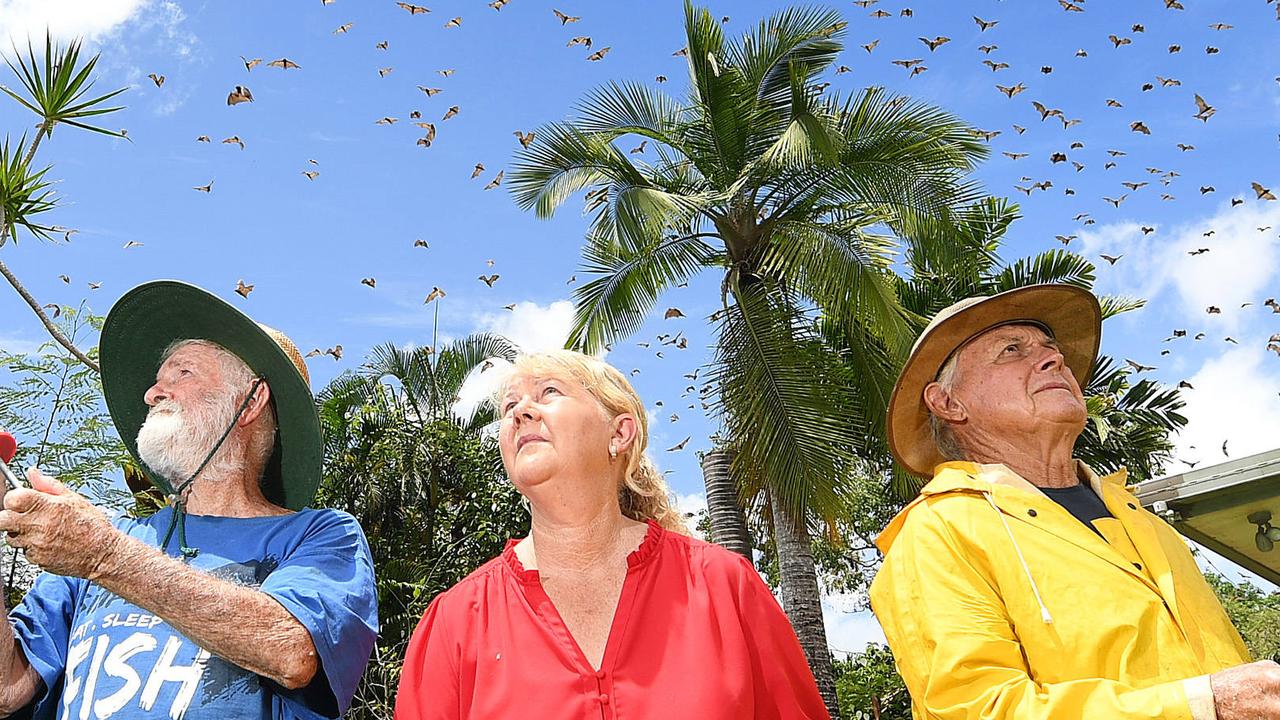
1044 611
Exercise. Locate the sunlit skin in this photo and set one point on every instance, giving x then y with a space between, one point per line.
188 377
554 429
1014 401
555 439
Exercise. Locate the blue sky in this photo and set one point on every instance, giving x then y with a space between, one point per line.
306 244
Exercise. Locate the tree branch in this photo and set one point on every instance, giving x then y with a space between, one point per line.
44 318
45 128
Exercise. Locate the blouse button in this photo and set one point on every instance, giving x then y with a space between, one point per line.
1031 512
604 698
1132 506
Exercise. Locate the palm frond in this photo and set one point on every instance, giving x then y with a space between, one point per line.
787 402
1053 266
621 108
843 272
455 363
635 214
893 154
798 39
810 136
1113 305
1129 423
24 193
57 94
628 282
959 244
722 112
563 160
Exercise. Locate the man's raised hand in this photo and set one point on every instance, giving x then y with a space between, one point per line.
57 528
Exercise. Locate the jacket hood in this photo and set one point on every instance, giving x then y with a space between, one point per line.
962 477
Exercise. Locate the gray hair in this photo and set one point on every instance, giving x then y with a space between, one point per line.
237 377
944 437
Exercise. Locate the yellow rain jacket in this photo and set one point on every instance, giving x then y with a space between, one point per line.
999 604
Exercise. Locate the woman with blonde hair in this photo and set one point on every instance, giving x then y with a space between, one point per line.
608 609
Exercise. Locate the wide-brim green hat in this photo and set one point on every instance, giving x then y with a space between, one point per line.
1071 315
151 317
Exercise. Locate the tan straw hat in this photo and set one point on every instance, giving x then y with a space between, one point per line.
1071 314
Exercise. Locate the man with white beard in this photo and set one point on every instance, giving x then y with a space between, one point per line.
263 608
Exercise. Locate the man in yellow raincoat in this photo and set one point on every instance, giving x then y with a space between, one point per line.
1019 584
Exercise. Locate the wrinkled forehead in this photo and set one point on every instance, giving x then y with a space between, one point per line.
519 380
1010 332
189 354
1018 330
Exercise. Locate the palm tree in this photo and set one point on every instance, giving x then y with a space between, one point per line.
1129 422
795 198
426 485
388 405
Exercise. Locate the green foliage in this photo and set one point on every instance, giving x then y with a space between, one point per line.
1255 614
24 193
845 555
56 85
1129 422
869 687
789 392
427 486
53 405
56 89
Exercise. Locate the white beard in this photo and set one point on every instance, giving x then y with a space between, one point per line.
174 443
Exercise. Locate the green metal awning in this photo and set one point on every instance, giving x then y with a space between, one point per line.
1213 505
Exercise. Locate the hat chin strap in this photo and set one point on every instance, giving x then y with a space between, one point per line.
177 497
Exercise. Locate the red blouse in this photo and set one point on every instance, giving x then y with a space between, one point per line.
696 635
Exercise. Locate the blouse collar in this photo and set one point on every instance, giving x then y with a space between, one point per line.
648 548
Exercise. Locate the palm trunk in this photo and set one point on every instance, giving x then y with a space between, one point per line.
728 522
802 601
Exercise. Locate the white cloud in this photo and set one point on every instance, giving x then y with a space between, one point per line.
164 25
849 631
1241 263
65 19
170 18
1235 394
531 327
695 503
1236 397
153 27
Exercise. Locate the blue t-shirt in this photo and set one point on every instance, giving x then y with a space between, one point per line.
103 657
